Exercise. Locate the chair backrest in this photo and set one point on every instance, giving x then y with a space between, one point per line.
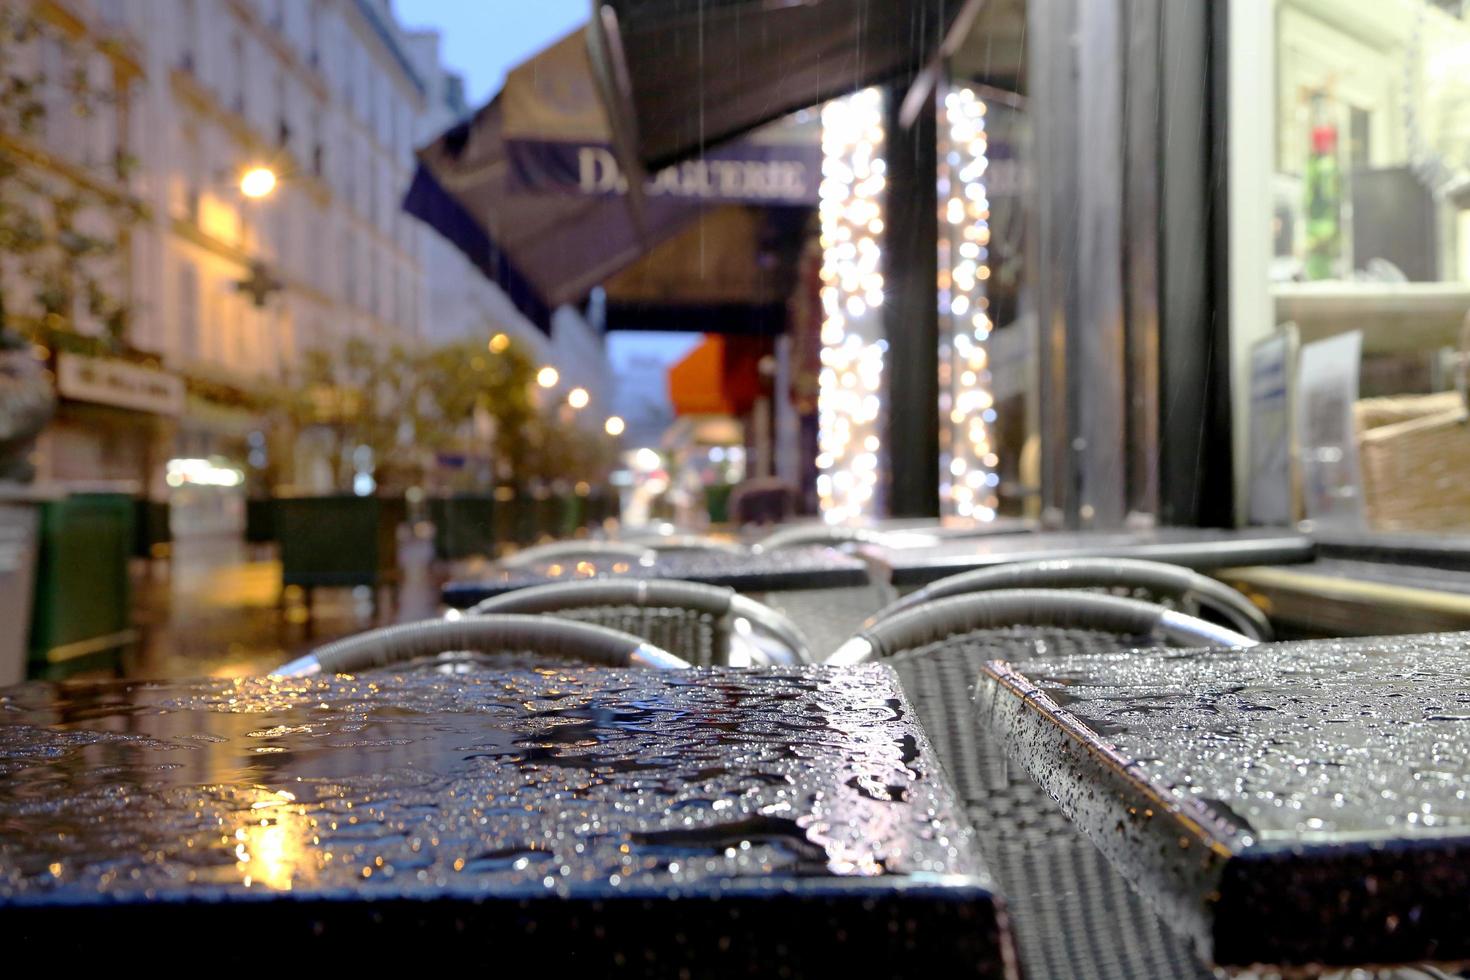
544 636
1151 581
699 621
945 619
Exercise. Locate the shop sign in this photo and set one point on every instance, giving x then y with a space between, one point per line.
741 173
119 383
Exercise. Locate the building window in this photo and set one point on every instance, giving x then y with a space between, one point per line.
189 34
188 335
1359 211
314 35
237 72
192 176
283 125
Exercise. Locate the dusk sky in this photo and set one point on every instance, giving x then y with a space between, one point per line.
483 39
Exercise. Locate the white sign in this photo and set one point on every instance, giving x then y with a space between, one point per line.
110 382
1327 389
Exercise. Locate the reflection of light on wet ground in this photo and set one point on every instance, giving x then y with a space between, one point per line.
216 608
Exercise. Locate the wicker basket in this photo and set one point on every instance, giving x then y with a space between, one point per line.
1414 453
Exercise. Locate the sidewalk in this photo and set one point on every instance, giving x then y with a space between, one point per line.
215 608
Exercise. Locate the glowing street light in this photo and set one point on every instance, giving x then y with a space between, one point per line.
614 426
499 343
547 377
578 398
257 182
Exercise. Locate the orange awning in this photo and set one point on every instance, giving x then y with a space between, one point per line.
719 377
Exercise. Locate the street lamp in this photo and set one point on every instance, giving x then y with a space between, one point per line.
578 398
257 182
547 377
499 343
614 426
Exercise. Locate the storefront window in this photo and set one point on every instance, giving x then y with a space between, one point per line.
1369 245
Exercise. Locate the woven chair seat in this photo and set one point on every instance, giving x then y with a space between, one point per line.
1074 916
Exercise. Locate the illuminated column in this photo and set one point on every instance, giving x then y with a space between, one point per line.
968 477
850 404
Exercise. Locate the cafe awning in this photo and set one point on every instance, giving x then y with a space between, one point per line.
543 249
719 377
531 191
682 75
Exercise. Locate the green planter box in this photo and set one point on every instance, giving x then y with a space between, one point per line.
81 603
464 526
521 519
339 541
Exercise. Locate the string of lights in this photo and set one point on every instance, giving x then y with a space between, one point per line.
968 477
849 402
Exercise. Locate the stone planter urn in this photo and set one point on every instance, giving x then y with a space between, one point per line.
27 402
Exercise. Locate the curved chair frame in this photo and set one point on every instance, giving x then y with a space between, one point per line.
554 637
1159 578
714 600
941 619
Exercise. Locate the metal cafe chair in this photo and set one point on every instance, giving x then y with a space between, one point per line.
1074 915
707 624
530 638
1151 581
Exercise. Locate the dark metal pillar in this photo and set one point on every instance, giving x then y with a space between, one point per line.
1127 217
911 313
1195 466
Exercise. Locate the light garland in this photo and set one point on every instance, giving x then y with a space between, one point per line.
967 476
849 402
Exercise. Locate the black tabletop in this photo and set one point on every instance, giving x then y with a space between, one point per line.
1201 549
1346 597
1290 804
1428 549
796 568
713 822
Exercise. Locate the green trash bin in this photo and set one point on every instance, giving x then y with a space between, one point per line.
81 606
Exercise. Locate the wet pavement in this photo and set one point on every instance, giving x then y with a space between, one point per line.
215 608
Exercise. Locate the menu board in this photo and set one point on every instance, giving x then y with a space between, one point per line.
1327 389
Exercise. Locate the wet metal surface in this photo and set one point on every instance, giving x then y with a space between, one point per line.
315 802
1290 803
796 568
1195 548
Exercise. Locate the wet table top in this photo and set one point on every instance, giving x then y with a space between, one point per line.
1291 804
1344 597
794 568
758 816
1200 549
1428 549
